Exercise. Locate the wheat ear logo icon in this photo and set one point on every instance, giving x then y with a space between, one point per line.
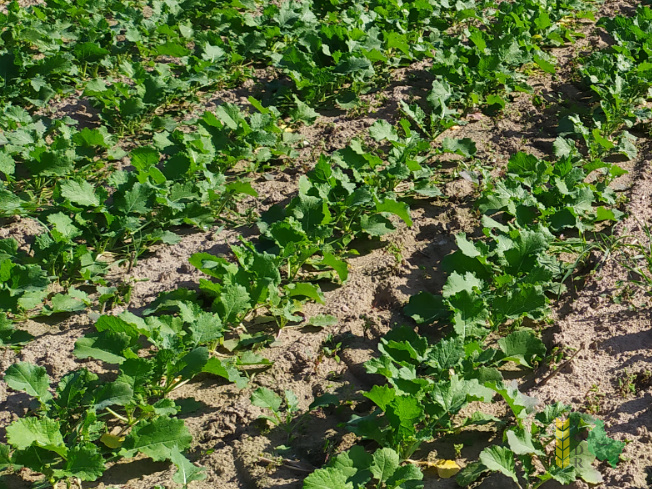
562 445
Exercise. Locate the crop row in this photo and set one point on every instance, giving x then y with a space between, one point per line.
75 180
493 284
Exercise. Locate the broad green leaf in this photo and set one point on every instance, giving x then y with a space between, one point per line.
93 137
29 300
582 459
426 308
63 228
105 346
230 115
446 354
212 53
404 413
340 266
400 209
327 478
526 300
601 140
225 370
604 214
603 447
381 395
205 328
407 476
563 147
526 247
311 212
427 188
266 398
211 265
90 51
165 407
80 193
73 386
29 378
470 473
544 64
84 462
5 457
187 472
522 346
291 401
566 475
354 463
233 301
40 432
158 438
324 400
520 404
10 336
527 167
477 38
137 199
251 358
463 147
467 247
305 289
193 362
7 165
376 225
499 459
144 157
322 321
496 100
113 394
404 346
173 49
382 130
64 303
520 442
359 67
116 324
470 314
385 463
241 187
458 283
551 412
303 112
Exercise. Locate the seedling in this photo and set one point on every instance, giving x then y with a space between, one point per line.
283 409
594 399
331 348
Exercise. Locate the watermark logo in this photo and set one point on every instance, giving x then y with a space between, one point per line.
562 442
569 453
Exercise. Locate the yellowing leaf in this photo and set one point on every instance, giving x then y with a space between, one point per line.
446 468
112 441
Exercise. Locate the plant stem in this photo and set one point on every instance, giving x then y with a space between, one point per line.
120 417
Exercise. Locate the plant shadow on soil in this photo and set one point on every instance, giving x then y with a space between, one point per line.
123 472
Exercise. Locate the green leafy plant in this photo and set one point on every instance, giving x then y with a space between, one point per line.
528 448
283 409
23 285
429 385
357 469
74 432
